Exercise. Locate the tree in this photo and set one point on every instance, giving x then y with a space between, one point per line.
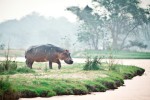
2 45
90 28
121 21
124 17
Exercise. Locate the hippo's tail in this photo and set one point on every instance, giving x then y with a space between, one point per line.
25 54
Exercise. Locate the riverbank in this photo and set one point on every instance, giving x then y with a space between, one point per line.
70 80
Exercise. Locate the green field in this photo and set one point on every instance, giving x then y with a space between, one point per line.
70 80
91 53
113 54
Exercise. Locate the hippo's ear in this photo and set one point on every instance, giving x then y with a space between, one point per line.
66 50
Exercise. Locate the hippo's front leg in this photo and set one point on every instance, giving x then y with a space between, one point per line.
29 63
59 64
50 64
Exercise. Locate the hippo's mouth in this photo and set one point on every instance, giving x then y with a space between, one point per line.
68 62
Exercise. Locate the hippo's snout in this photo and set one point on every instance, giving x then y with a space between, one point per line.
69 62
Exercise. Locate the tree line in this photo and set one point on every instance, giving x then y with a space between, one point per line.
116 24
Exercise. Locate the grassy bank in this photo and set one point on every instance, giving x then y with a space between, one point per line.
114 54
70 80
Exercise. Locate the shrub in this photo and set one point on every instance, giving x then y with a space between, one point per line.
8 66
4 85
6 90
92 64
2 68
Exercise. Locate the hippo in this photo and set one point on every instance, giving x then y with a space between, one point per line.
48 52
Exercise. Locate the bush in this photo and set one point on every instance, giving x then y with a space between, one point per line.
6 90
8 66
4 85
2 68
92 64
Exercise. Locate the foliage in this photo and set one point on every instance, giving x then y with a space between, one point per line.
6 88
125 16
92 64
8 66
116 54
120 21
5 85
89 29
2 46
138 44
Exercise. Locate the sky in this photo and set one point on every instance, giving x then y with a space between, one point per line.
16 9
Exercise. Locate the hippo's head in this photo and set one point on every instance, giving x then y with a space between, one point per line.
65 55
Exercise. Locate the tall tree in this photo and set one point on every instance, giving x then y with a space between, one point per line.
124 17
90 30
122 20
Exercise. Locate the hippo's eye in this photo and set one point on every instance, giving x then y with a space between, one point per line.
65 54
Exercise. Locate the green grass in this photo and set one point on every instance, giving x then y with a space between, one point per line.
20 70
25 69
92 53
70 80
115 54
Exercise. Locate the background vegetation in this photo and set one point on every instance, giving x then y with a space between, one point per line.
116 54
115 24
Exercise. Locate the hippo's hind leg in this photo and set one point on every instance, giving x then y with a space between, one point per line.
29 63
50 64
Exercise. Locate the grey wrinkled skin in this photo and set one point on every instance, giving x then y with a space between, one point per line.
48 52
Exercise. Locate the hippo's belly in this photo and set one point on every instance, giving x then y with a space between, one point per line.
39 58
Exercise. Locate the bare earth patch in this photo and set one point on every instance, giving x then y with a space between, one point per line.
62 74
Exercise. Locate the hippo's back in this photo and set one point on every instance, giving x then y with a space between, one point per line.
40 53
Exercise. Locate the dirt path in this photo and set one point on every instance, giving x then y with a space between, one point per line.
136 89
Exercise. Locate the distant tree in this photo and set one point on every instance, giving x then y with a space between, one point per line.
66 42
90 28
122 19
138 44
2 46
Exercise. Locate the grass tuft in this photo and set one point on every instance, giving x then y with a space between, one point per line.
92 64
25 70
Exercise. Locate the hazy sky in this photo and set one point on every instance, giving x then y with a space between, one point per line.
15 9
